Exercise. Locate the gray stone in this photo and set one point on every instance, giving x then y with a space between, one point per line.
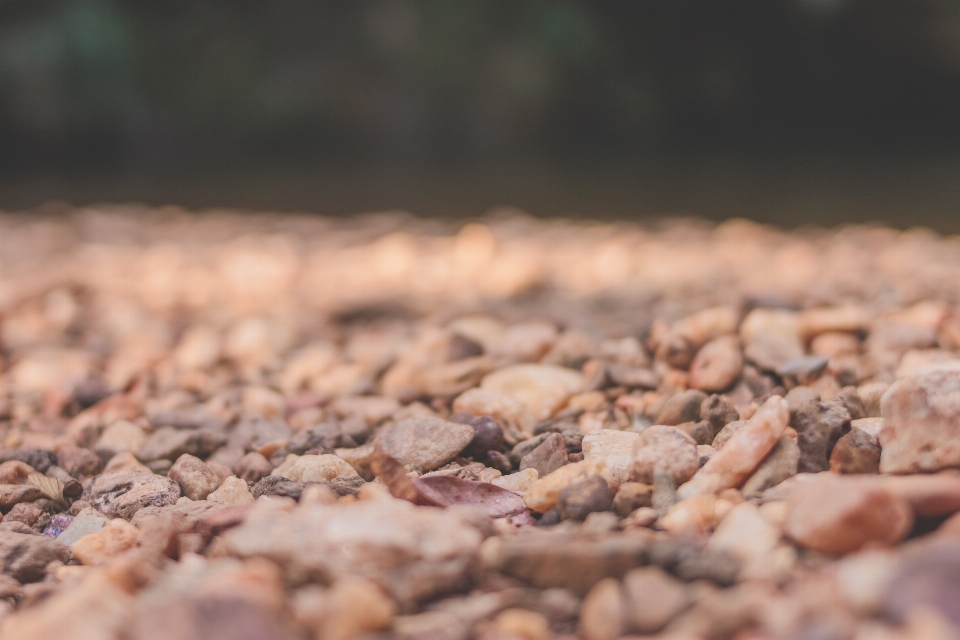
424 442
87 521
780 464
548 457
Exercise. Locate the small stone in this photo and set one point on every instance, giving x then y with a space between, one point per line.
546 458
121 436
856 452
352 608
696 515
12 494
928 577
252 467
519 482
921 423
804 369
614 448
544 494
25 556
587 496
79 462
125 461
664 449
726 433
525 624
324 437
86 522
169 443
123 493
509 412
37 458
653 599
26 512
745 534
233 491
57 525
642 517
772 338
836 516
819 425
719 412
15 472
116 537
701 432
682 407
600 522
322 468
717 364
632 496
603 614
424 442
195 478
488 434
742 453
541 388
780 464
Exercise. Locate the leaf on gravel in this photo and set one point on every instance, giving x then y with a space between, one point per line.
444 491
51 487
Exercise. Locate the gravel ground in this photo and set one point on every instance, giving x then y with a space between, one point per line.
238 426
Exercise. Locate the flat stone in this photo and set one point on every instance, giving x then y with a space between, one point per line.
856 452
195 478
424 442
836 515
411 552
743 452
169 443
121 494
544 494
12 494
667 450
614 448
717 364
541 388
921 423
547 457
24 557
88 521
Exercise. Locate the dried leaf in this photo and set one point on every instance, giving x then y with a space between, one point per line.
50 487
444 491
394 477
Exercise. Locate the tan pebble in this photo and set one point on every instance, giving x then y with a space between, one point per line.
664 449
318 468
833 344
695 515
519 481
233 491
524 623
125 461
745 533
121 436
14 472
195 478
117 536
849 319
602 615
717 364
544 494
614 448
642 517
541 388
653 599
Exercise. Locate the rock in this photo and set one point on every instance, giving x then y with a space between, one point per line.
411 552
488 434
123 493
519 482
120 436
856 452
682 407
819 425
928 577
528 625
352 608
719 412
24 557
704 453
745 534
696 515
863 579
921 423
614 448
11 494
324 437
742 453
113 539
927 495
169 443
780 464
322 468
26 512
664 449
804 370
509 412
701 432
871 426
590 495
541 388
653 598
195 478
79 462
232 491
544 494
727 432
632 496
252 467
546 458
15 472
37 458
772 338
125 461
836 516
603 613
86 522
717 364
425 443
58 523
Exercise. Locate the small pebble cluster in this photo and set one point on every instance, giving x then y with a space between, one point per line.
234 426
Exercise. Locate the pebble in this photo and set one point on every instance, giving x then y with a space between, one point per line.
780 464
15 472
515 417
525 624
664 449
742 453
120 436
114 538
632 496
726 433
253 466
653 598
122 493
544 494
603 613
125 461
233 491
88 521
547 457
79 462
169 443
696 515
25 557
26 512
12 494
717 364
837 516
819 425
856 452
590 495
771 338
745 534
37 458
425 443
921 423
614 448
541 388
519 482
682 407
195 478
352 608
321 468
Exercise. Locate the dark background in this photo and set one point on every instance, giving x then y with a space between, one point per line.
803 111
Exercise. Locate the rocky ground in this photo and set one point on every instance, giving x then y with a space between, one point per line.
229 426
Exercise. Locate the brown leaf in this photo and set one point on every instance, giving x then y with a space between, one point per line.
394 477
444 491
50 487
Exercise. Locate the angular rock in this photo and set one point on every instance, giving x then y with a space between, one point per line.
742 453
121 494
425 443
780 464
719 412
856 452
324 437
819 425
701 432
544 494
24 557
667 450
541 388
195 478
233 491
836 515
546 458
86 522
169 443
614 448
717 364
921 423
590 495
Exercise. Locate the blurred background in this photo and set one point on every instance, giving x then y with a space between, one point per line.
793 112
